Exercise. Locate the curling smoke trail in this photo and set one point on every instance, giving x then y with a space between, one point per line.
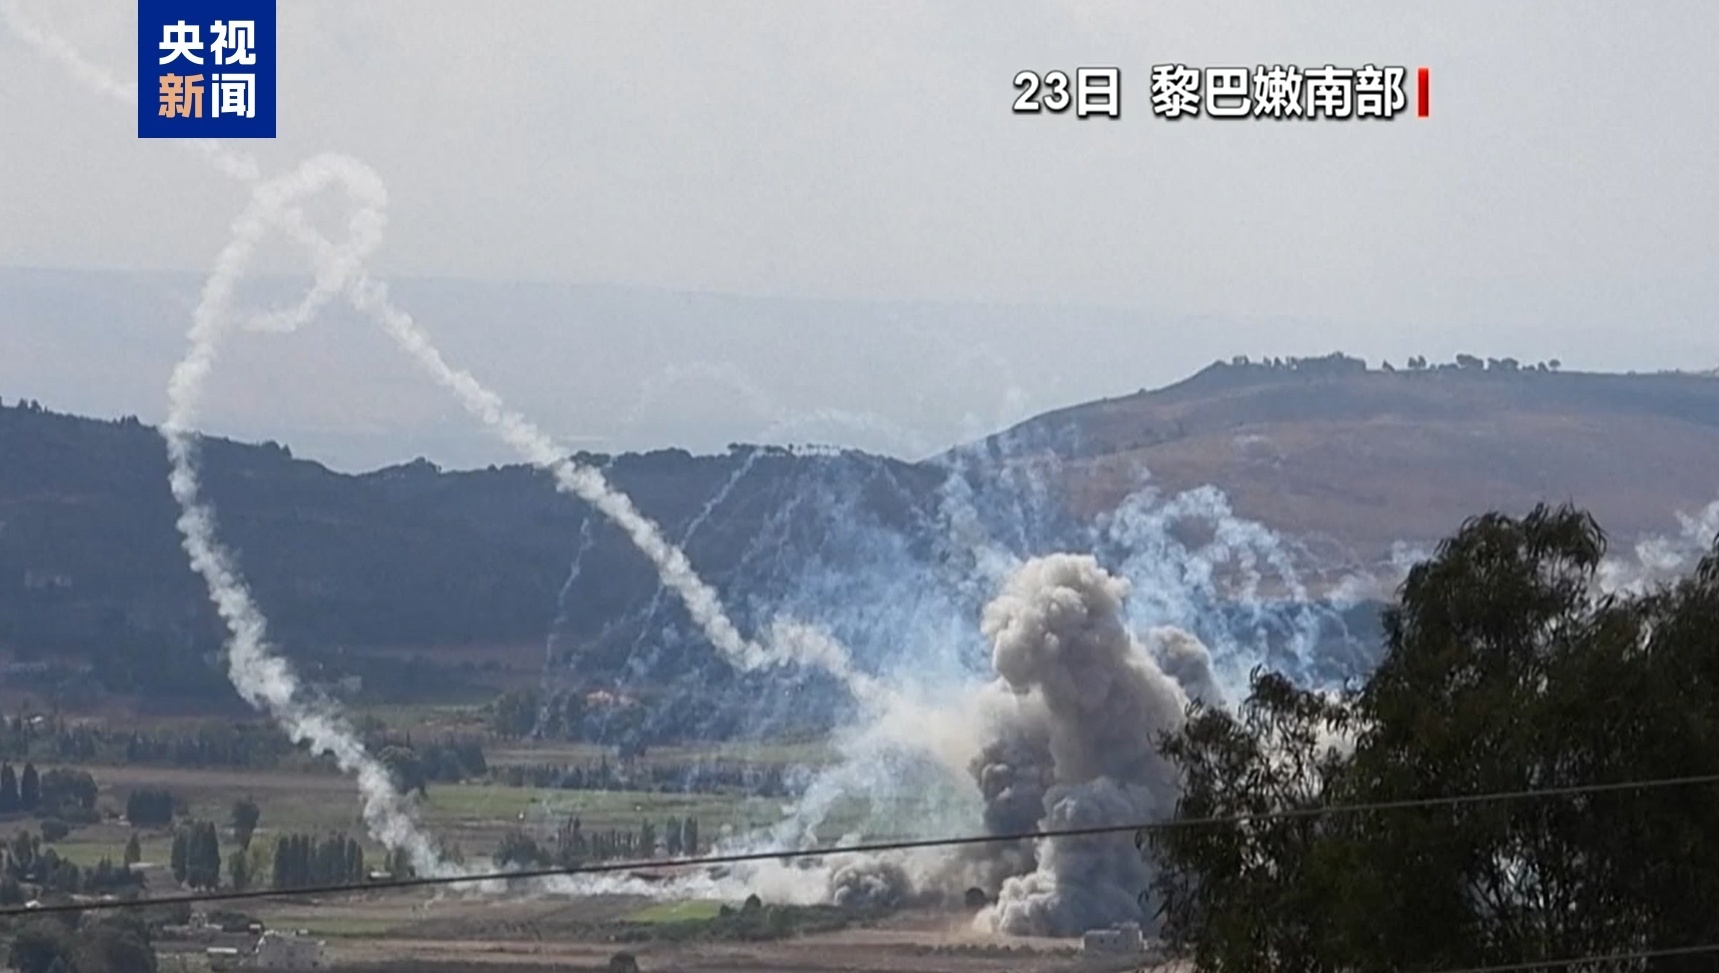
263 678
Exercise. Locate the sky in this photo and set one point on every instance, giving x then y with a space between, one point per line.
660 224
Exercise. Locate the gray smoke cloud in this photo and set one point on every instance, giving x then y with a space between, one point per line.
1186 660
1065 737
882 883
1097 702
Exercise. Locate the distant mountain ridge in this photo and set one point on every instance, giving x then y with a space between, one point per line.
1329 448
1349 459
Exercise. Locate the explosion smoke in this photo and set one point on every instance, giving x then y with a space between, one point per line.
1067 737
1058 636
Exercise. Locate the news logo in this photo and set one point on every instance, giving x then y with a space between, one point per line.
206 69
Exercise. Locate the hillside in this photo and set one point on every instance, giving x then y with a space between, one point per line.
429 582
1328 448
409 556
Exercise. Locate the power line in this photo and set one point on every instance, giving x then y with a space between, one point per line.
785 855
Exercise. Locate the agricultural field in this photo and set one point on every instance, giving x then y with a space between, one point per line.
456 933
471 816
457 929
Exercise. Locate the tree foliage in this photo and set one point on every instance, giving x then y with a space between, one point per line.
1505 672
149 807
196 855
302 861
108 944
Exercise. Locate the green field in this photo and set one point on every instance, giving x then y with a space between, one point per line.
347 926
690 910
438 719
471 817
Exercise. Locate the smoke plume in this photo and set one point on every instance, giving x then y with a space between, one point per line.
1066 736
1094 703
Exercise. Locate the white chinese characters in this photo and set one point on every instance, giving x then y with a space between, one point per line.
1278 91
235 42
181 40
1175 90
184 90
235 95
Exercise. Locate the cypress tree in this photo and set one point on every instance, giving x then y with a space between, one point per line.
30 788
282 874
9 800
204 857
181 856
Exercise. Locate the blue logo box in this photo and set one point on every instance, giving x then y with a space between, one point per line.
206 69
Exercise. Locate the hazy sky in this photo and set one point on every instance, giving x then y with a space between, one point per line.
1558 203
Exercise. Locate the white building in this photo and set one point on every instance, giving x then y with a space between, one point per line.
280 952
1122 939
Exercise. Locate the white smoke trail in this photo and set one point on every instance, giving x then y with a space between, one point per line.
545 684
337 270
788 642
89 75
698 520
262 677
